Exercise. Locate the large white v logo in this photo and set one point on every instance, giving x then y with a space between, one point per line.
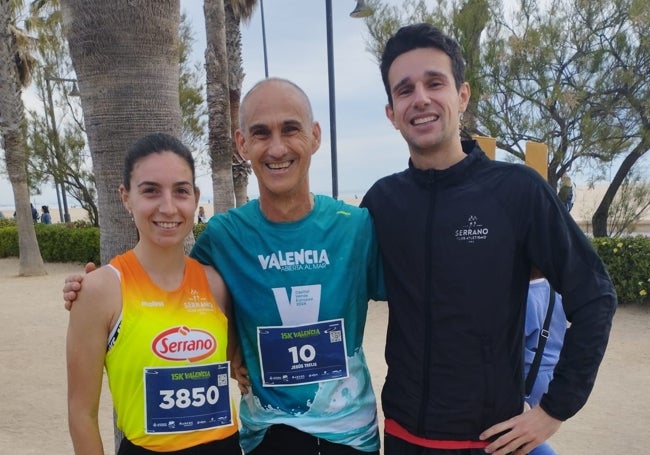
303 305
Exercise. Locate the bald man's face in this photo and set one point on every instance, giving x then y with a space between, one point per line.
278 137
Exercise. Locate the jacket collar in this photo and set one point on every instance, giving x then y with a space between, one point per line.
428 177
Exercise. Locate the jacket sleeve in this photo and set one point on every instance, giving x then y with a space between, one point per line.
560 249
377 286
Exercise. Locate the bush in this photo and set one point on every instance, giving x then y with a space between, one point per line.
4 222
8 239
198 229
628 261
68 243
57 242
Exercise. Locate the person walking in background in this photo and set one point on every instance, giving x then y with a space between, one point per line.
158 321
34 213
202 218
458 234
546 337
46 218
566 192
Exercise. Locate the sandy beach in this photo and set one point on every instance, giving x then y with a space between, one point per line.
33 416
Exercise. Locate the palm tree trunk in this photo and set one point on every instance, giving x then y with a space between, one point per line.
125 55
220 141
12 127
241 168
30 261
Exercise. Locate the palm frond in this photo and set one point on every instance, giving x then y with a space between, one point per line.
243 9
24 59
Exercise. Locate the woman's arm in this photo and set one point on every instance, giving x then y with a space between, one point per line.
96 309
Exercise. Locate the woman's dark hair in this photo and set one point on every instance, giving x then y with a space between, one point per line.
419 36
154 143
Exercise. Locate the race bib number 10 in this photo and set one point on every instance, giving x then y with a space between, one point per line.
188 398
302 354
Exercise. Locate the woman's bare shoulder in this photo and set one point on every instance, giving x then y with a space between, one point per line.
102 278
101 288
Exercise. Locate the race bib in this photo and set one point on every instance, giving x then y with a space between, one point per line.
302 354
187 398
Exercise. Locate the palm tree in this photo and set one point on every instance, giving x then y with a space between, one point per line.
220 141
15 73
237 11
224 76
125 55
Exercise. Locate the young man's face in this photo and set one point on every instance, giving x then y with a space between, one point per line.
426 103
278 138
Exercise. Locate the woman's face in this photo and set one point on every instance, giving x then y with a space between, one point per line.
162 198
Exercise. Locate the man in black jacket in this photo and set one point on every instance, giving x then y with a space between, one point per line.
459 234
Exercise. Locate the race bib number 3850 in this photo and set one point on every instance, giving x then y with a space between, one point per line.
188 398
302 354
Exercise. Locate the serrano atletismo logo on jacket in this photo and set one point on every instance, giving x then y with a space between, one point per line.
472 231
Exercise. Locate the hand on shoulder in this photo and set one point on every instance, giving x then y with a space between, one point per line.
72 285
100 298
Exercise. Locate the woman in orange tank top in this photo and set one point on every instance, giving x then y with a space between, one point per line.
158 321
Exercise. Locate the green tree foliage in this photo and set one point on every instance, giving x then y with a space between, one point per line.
544 76
537 91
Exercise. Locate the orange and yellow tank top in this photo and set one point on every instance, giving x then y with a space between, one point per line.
166 361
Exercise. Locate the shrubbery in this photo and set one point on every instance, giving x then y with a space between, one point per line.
8 238
628 262
627 258
198 229
57 242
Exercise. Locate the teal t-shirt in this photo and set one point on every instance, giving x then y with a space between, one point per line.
300 294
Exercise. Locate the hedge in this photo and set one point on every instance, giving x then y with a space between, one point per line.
57 242
628 262
627 258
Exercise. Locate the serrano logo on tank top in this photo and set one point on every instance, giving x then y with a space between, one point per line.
182 343
295 260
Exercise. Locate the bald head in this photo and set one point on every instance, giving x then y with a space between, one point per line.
276 84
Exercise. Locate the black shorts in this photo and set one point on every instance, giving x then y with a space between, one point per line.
286 440
228 446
